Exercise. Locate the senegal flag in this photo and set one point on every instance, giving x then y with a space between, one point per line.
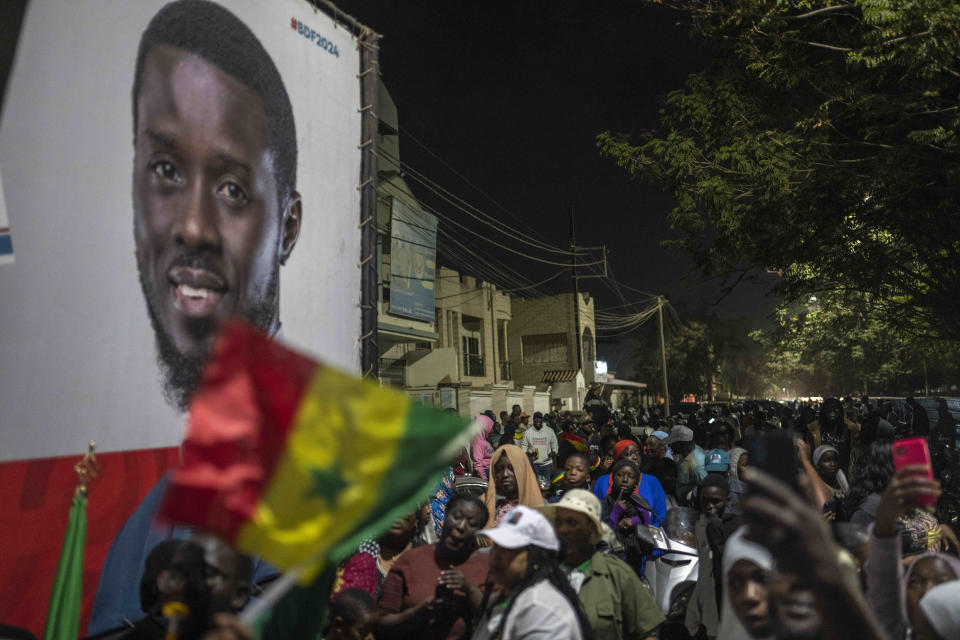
298 462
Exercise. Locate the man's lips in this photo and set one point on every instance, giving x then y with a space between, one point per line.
196 292
455 542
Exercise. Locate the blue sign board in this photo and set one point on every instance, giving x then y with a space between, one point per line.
413 262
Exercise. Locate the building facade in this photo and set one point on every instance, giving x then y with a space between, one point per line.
543 339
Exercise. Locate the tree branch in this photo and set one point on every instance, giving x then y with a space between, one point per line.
819 45
810 14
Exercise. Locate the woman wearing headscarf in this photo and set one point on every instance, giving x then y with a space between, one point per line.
648 486
826 460
480 450
745 612
512 482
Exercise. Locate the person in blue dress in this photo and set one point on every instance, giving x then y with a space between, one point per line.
649 488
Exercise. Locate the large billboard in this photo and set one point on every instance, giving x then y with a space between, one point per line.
413 261
164 165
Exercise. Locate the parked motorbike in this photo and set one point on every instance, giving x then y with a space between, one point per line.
672 561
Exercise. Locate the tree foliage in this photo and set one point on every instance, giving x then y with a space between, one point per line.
839 344
707 356
821 144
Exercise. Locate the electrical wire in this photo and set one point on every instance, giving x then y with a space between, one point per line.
490 240
476 213
446 164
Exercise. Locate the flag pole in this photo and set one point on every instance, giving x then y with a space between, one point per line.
277 589
63 607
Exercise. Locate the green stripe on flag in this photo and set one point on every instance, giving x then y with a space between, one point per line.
419 464
63 610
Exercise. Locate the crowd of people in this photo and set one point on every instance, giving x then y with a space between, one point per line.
611 525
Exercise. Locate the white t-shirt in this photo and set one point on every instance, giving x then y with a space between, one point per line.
540 613
543 441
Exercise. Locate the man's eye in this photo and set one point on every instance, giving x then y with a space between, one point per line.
166 170
233 192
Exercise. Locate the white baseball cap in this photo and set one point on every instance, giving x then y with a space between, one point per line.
523 527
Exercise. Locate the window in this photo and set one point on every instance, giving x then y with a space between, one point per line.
472 360
544 348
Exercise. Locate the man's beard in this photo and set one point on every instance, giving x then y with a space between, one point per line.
180 374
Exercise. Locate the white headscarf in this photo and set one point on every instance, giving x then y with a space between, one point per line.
841 477
738 548
941 606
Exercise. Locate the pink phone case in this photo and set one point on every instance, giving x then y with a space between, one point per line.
913 451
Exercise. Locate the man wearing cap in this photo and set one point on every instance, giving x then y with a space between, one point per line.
535 600
717 461
615 601
691 460
542 446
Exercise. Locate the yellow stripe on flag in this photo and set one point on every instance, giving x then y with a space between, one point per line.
340 451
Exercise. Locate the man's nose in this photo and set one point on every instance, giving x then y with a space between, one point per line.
754 593
197 227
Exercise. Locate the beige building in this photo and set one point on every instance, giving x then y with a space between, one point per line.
543 340
465 363
451 340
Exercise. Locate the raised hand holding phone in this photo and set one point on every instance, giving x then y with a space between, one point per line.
915 454
910 486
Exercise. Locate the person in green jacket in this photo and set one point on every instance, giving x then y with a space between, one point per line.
616 603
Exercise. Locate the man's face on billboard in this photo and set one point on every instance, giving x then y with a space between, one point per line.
208 225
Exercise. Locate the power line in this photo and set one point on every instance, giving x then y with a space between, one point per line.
465 179
476 213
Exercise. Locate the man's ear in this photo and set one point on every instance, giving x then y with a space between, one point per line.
290 230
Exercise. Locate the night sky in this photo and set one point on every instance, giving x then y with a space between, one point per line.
513 94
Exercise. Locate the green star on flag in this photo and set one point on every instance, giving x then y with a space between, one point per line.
327 484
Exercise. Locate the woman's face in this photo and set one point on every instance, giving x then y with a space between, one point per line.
632 453
508 566
576 472
626 479
829 464
505 477
460 525
927 573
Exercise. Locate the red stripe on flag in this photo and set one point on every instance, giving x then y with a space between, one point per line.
240 419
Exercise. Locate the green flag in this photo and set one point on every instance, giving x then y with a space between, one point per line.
63 612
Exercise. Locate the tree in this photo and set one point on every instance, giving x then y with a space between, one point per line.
840 345
821 145
707 357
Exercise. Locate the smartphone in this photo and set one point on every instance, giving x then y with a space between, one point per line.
443 594
914 451
775 453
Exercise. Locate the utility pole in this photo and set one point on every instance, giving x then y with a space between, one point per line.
576 291
663 360
495 341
